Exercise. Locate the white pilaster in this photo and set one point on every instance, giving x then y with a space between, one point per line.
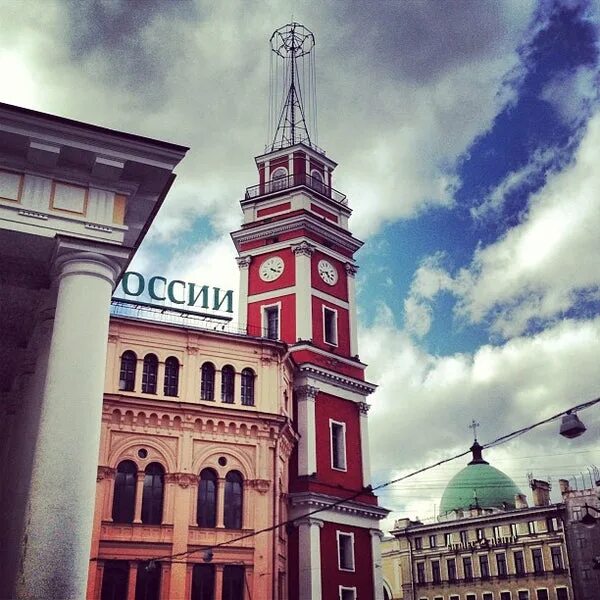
351 272
291 164
363 407
61 501
244 265
303 252
376 536
309 558
307 446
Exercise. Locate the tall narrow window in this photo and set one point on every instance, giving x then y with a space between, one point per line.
127 373
420 572
115 578
519 562
149 374
271 322
316 180
557 561
233 582
330 326
123 507
147 583
345 543
207 381
501 564
468 568
436 575
203 582
171 376
451 566
248 387
338 445
279 179
234 500
227 384
484 566
152 500
538 561
542 594
207 499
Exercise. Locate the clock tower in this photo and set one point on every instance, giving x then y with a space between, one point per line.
297 284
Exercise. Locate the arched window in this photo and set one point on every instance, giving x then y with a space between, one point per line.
115 577
152 500
278 179
147 582
248 387
234 500
123 507
171 376
149 374
227 384
316 180
127 374
207 499
207 381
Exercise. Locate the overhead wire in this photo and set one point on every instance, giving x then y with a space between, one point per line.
500 440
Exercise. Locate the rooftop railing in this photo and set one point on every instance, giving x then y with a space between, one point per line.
296 180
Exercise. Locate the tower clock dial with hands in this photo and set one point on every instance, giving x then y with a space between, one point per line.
327 272
271 268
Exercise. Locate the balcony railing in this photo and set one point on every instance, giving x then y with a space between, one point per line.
292 181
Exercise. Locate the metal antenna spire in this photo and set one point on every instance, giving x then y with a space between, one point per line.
292 42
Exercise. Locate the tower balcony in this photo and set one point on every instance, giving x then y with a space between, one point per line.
297 180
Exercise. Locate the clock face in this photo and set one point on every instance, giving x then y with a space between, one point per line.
327 272
271 268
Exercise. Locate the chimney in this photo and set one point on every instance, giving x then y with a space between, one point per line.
541 492
520 501
564 486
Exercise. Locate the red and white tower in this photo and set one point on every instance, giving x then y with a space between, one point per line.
297 284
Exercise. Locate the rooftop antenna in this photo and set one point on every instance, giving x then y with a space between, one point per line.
292 106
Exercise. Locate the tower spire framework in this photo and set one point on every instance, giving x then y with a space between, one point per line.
292 109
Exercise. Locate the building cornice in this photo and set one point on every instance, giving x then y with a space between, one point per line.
343 381
313 501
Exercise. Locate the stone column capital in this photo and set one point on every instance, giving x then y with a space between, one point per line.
306 392
363 407
85 263
243 262
303 249
310 521
351 269
105 473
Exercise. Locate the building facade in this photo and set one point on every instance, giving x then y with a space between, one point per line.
583 538
195 445
75 202
482 551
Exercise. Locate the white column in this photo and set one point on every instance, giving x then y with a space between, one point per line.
267 176
351 272
307 445
309 558
376 536
244 265
363 407
56 547
291 165
303 252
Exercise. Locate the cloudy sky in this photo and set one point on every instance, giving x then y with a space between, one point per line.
468 140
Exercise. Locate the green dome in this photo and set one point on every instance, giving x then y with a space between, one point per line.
478 484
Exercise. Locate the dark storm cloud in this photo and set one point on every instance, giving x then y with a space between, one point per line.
419 41
117 37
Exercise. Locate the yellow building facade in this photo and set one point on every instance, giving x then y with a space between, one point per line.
195 442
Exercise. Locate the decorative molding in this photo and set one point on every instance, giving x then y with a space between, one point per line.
34 214
351 269
183 480
303 249
312 501
105 473
310 521
113 339
97 227
306 392
260 485
348 383
243 261
363 407
193 350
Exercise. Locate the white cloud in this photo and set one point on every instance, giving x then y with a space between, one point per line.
503 387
